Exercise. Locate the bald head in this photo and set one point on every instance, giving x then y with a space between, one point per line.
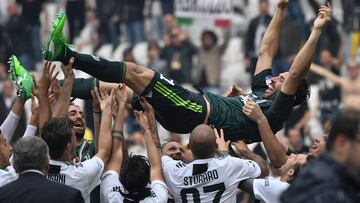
202 142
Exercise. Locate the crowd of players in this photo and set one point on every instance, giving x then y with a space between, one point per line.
216 162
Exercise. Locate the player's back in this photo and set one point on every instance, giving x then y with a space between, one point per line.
207 180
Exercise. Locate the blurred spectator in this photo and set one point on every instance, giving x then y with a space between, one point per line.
330 96
350 87
155 62
156 20
254 35
133 16
89 37
7 99
3 72
3 11
167 7
179 55
296 141
291 38
18 37
75 11
30 16
108 12
3 44
209 60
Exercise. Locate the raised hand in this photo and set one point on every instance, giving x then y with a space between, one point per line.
282 3
68 69
253 111
34 119
324 17
149 110
223 146
143 120
54 91
106 101
234 91
120 94
96 103
46 79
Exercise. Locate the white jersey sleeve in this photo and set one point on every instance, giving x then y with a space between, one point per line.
87 174
243 169
30 130
110 187
269 190
9 126
7 176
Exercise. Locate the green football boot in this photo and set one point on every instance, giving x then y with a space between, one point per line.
55 46
22 79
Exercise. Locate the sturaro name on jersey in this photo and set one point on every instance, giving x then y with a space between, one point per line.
201 178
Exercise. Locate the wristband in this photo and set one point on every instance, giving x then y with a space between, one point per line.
117 134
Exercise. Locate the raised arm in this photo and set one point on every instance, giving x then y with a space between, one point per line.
270 41
273 147
62 106
152 151
245 152
32 127
105 140
227 36
119 152
327 74
301 65
41 92
149 110
10 124
97 118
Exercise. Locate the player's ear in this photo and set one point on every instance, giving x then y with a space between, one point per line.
188 146
69 147
291 172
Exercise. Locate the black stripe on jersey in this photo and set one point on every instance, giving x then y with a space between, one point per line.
55 169
199 169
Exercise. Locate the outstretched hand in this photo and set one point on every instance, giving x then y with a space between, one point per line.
283 3
143 120
324 17
68 69
46 79
220 141
105 99
120 94
234 91
150 113
253 111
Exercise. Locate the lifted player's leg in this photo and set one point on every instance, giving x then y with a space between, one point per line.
56 49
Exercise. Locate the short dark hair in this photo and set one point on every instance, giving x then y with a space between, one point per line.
135 174
30 152
210 34
346 123
303 93
57 133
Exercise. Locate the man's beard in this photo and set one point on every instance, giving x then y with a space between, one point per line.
80 134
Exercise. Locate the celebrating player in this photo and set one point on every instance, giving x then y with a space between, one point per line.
276 95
